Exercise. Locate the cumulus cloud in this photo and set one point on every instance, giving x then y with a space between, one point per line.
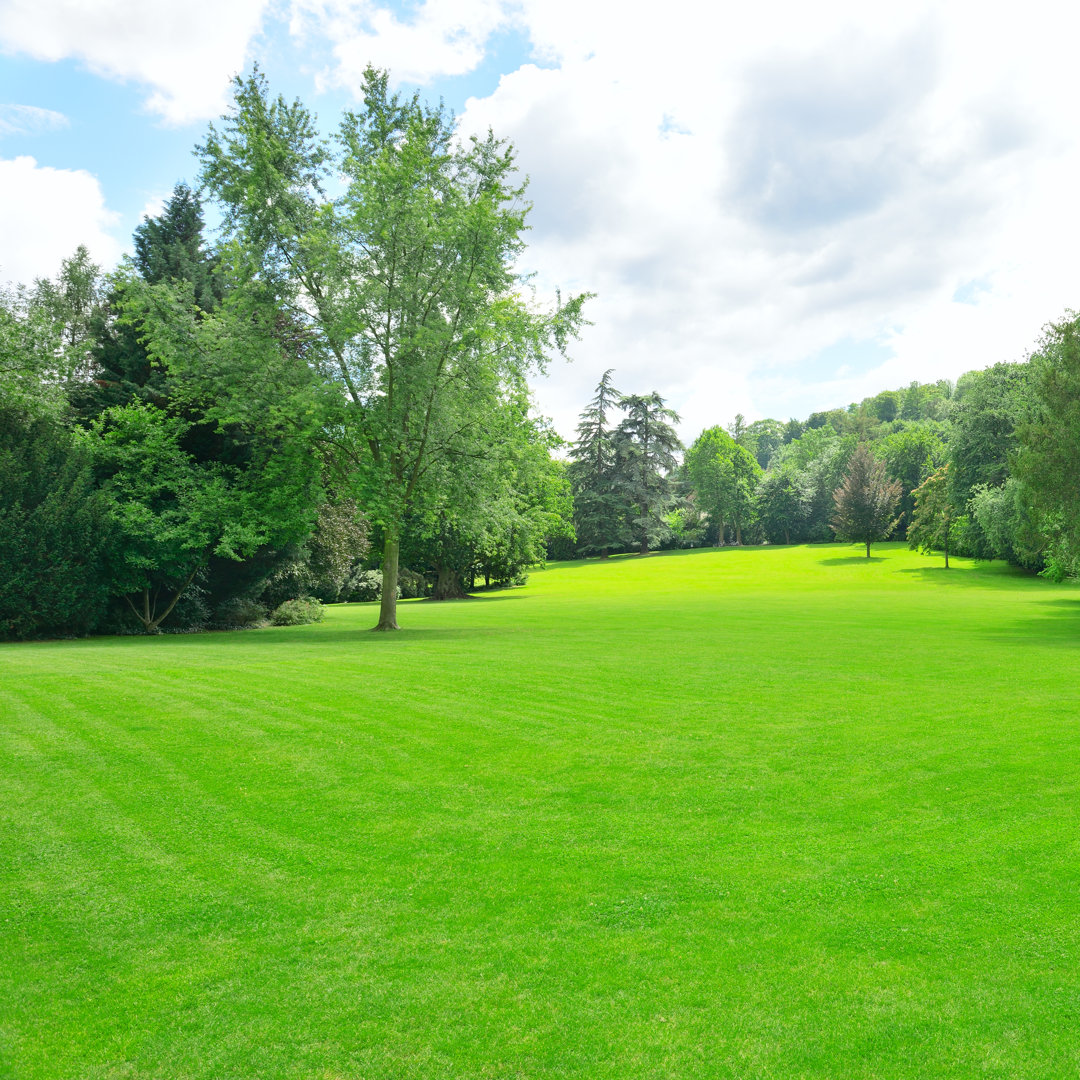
184 54
45 213
814 174
29 120
437 39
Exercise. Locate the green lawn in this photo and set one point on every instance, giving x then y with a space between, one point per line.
776 812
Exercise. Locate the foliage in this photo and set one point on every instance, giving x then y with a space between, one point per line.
56 537
238 613
645 447
298 612
599 508
933 515
1048 464
175 512
866 500
724 475
404 284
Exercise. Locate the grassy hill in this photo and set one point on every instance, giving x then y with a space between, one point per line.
775 812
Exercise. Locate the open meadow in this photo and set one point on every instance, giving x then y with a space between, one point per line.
773 812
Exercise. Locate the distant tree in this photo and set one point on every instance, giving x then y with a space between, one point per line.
725 476
866 500
1048 462
781 504
73 300
737 428
934 516
793 429
763 437
910 456
645 446
599 510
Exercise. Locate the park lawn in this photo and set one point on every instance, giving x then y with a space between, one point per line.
773 812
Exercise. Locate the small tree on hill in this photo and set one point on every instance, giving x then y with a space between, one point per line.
866 500
933 517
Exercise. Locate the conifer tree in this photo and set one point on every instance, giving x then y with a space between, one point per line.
599 517
866 500
645 446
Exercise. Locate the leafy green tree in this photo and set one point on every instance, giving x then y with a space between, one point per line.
175 513
763 438
725 476
934 516
1048 461
910 456
646 445
599 511
72 301
781 504
404 283
866 500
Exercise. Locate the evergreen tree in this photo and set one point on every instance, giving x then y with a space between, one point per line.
866 500
599 518
645 448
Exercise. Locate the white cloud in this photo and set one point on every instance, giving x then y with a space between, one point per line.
29 120
439 39
744 187
45 214
184 54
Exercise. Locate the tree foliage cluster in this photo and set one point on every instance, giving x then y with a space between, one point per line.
336 380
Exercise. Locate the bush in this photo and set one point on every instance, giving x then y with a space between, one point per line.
410 584
239 612
365 585
298 612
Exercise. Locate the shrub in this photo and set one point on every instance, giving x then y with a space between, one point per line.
365 585
238 612
298 612
410 584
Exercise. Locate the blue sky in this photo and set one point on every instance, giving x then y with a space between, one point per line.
781 209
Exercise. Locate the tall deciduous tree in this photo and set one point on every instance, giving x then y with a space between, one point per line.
933 516
866 501
405 281
645 445
725 475
1048 463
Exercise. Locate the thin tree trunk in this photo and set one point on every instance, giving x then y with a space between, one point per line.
738 535
946 551
720 533
388 601
787 537
868 549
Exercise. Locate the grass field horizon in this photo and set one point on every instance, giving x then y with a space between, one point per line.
764 812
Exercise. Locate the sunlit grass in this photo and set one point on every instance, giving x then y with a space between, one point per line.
777 812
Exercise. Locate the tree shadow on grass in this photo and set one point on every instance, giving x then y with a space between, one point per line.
851 560
970 576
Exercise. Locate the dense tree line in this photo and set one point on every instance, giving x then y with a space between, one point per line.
985 467
333 382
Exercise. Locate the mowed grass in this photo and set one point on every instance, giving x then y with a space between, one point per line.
776 812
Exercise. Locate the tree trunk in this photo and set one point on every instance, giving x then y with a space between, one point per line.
946 551
644 547
787 537
720 533
388 602
448 585
868 549
738 534
149 617
604 554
